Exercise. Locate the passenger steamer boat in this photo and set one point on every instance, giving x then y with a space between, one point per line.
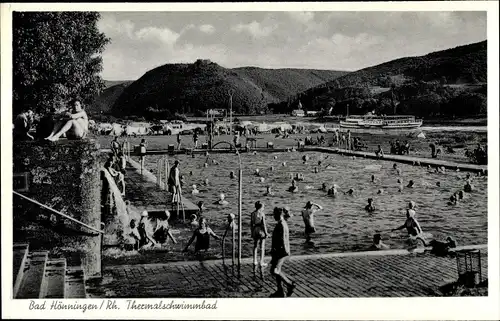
380 122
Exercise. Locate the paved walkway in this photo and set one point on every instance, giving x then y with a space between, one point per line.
144 194
405 159
331 275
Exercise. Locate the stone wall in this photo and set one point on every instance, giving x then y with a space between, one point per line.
64 175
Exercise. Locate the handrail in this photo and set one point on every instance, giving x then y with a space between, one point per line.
57 212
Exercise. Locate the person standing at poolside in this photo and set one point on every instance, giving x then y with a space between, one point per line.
142 152
195 139
258 230
308 217
174 182
179 141
115 146
280 252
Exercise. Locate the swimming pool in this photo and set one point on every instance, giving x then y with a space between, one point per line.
342 225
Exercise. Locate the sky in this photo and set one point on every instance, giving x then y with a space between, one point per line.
141 41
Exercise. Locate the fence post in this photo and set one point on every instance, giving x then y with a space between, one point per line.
239 219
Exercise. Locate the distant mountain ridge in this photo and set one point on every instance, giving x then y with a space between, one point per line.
446 82
462 64
194 88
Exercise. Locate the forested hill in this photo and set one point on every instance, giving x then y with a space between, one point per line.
194 88
459 65
447 82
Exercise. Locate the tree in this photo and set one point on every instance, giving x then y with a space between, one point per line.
56 57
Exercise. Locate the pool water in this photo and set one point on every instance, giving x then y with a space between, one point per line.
343 224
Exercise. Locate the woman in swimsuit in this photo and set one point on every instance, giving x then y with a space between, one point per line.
259 232
411 225
202 235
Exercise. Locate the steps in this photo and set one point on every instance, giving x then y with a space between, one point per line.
53 283
36 276
19 262
33 275
75 283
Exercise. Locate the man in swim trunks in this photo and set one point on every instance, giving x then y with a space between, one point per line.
379 153
280 252
75 126
308 217
174 181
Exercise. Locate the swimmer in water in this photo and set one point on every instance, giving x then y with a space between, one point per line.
370 207
468 187
440 248
373 178
299 177
438 184
377 243
202 235
308 216
319 163
315 170
193 221
294 188
461 195
262 179
283 164
380 191
411 208
323 187
258 230
349 192
411 225
275 157
305 158
268 191
231 175
271 168
394 166
379 152
257 172
221 200
201 208
195 190
410 184
206 182
453 200
333 190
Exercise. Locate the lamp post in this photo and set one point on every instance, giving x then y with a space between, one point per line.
240 198
230 93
